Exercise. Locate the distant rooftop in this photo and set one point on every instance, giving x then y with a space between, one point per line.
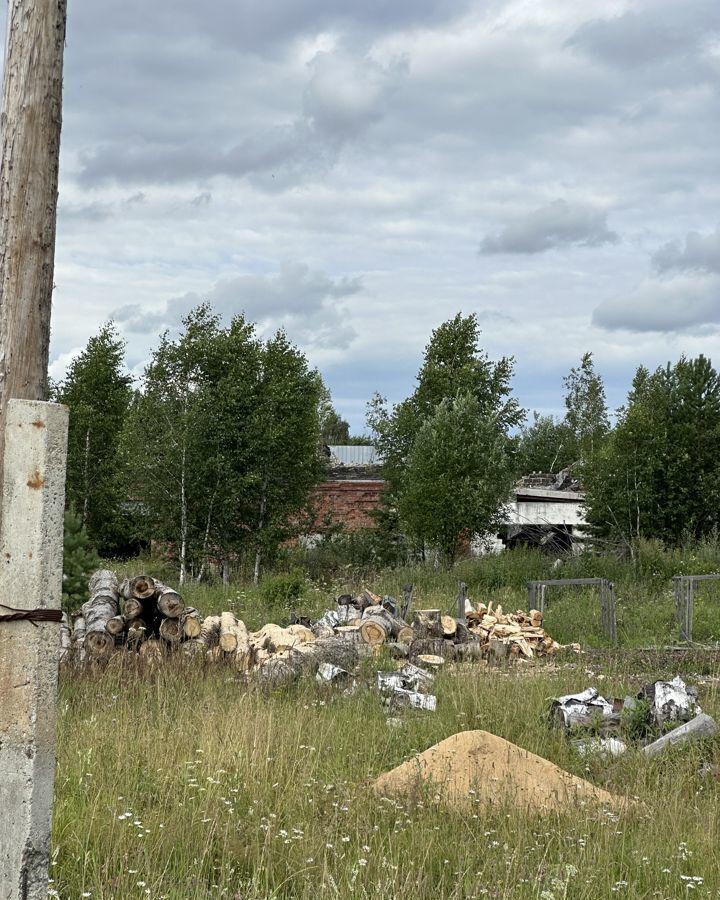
352 455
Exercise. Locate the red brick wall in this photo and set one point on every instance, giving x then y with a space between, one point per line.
347 502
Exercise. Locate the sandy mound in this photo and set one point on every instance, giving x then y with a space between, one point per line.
478 766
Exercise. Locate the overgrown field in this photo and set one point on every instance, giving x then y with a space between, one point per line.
185 784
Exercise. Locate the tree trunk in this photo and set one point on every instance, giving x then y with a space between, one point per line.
206 538
427 623
210 631
31 122
99 609
183 516
306 658
191 623
261 523
78 632
86 478
375 630
115 626
228 632
169 602
171 631
65 637
141 587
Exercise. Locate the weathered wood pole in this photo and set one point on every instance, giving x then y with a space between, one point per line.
33 440
30 123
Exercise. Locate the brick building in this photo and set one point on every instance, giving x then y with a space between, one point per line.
353 487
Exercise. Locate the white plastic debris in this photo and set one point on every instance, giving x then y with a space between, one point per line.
577 709
609 745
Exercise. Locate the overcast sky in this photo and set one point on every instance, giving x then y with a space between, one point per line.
358 171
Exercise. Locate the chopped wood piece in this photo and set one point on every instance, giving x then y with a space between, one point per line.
349 633
136 632
169 602
429 659
244 652
228 632
427 623
98 610
132 608
210 631
142 587
375 630
171 631
115 626
449 626
191 623
151 652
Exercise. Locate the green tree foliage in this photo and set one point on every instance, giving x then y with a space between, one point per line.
98 391
79 562
586 422
333 428
543 446
223 440
454 367
458 474
658 474
286 463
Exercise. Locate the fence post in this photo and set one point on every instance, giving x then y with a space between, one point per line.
461 602
31 541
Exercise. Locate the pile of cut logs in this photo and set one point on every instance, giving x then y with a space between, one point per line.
511 634
144 615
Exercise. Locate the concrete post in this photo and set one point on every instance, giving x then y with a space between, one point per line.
31 541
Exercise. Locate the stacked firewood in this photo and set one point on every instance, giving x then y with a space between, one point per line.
515 634
134 612
144 615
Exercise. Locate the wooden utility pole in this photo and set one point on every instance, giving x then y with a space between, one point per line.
30 128
33 440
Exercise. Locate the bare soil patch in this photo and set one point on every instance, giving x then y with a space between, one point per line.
476 767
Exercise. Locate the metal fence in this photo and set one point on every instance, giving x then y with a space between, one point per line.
685 601
536 598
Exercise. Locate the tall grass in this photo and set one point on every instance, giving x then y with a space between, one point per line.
185 784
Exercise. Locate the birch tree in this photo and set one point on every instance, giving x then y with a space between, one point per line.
98 389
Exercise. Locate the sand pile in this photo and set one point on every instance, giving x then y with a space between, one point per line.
476 766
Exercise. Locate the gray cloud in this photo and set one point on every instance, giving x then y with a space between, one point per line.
636 39
304 302
344 95
557 225
701 253
388 137
668 305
